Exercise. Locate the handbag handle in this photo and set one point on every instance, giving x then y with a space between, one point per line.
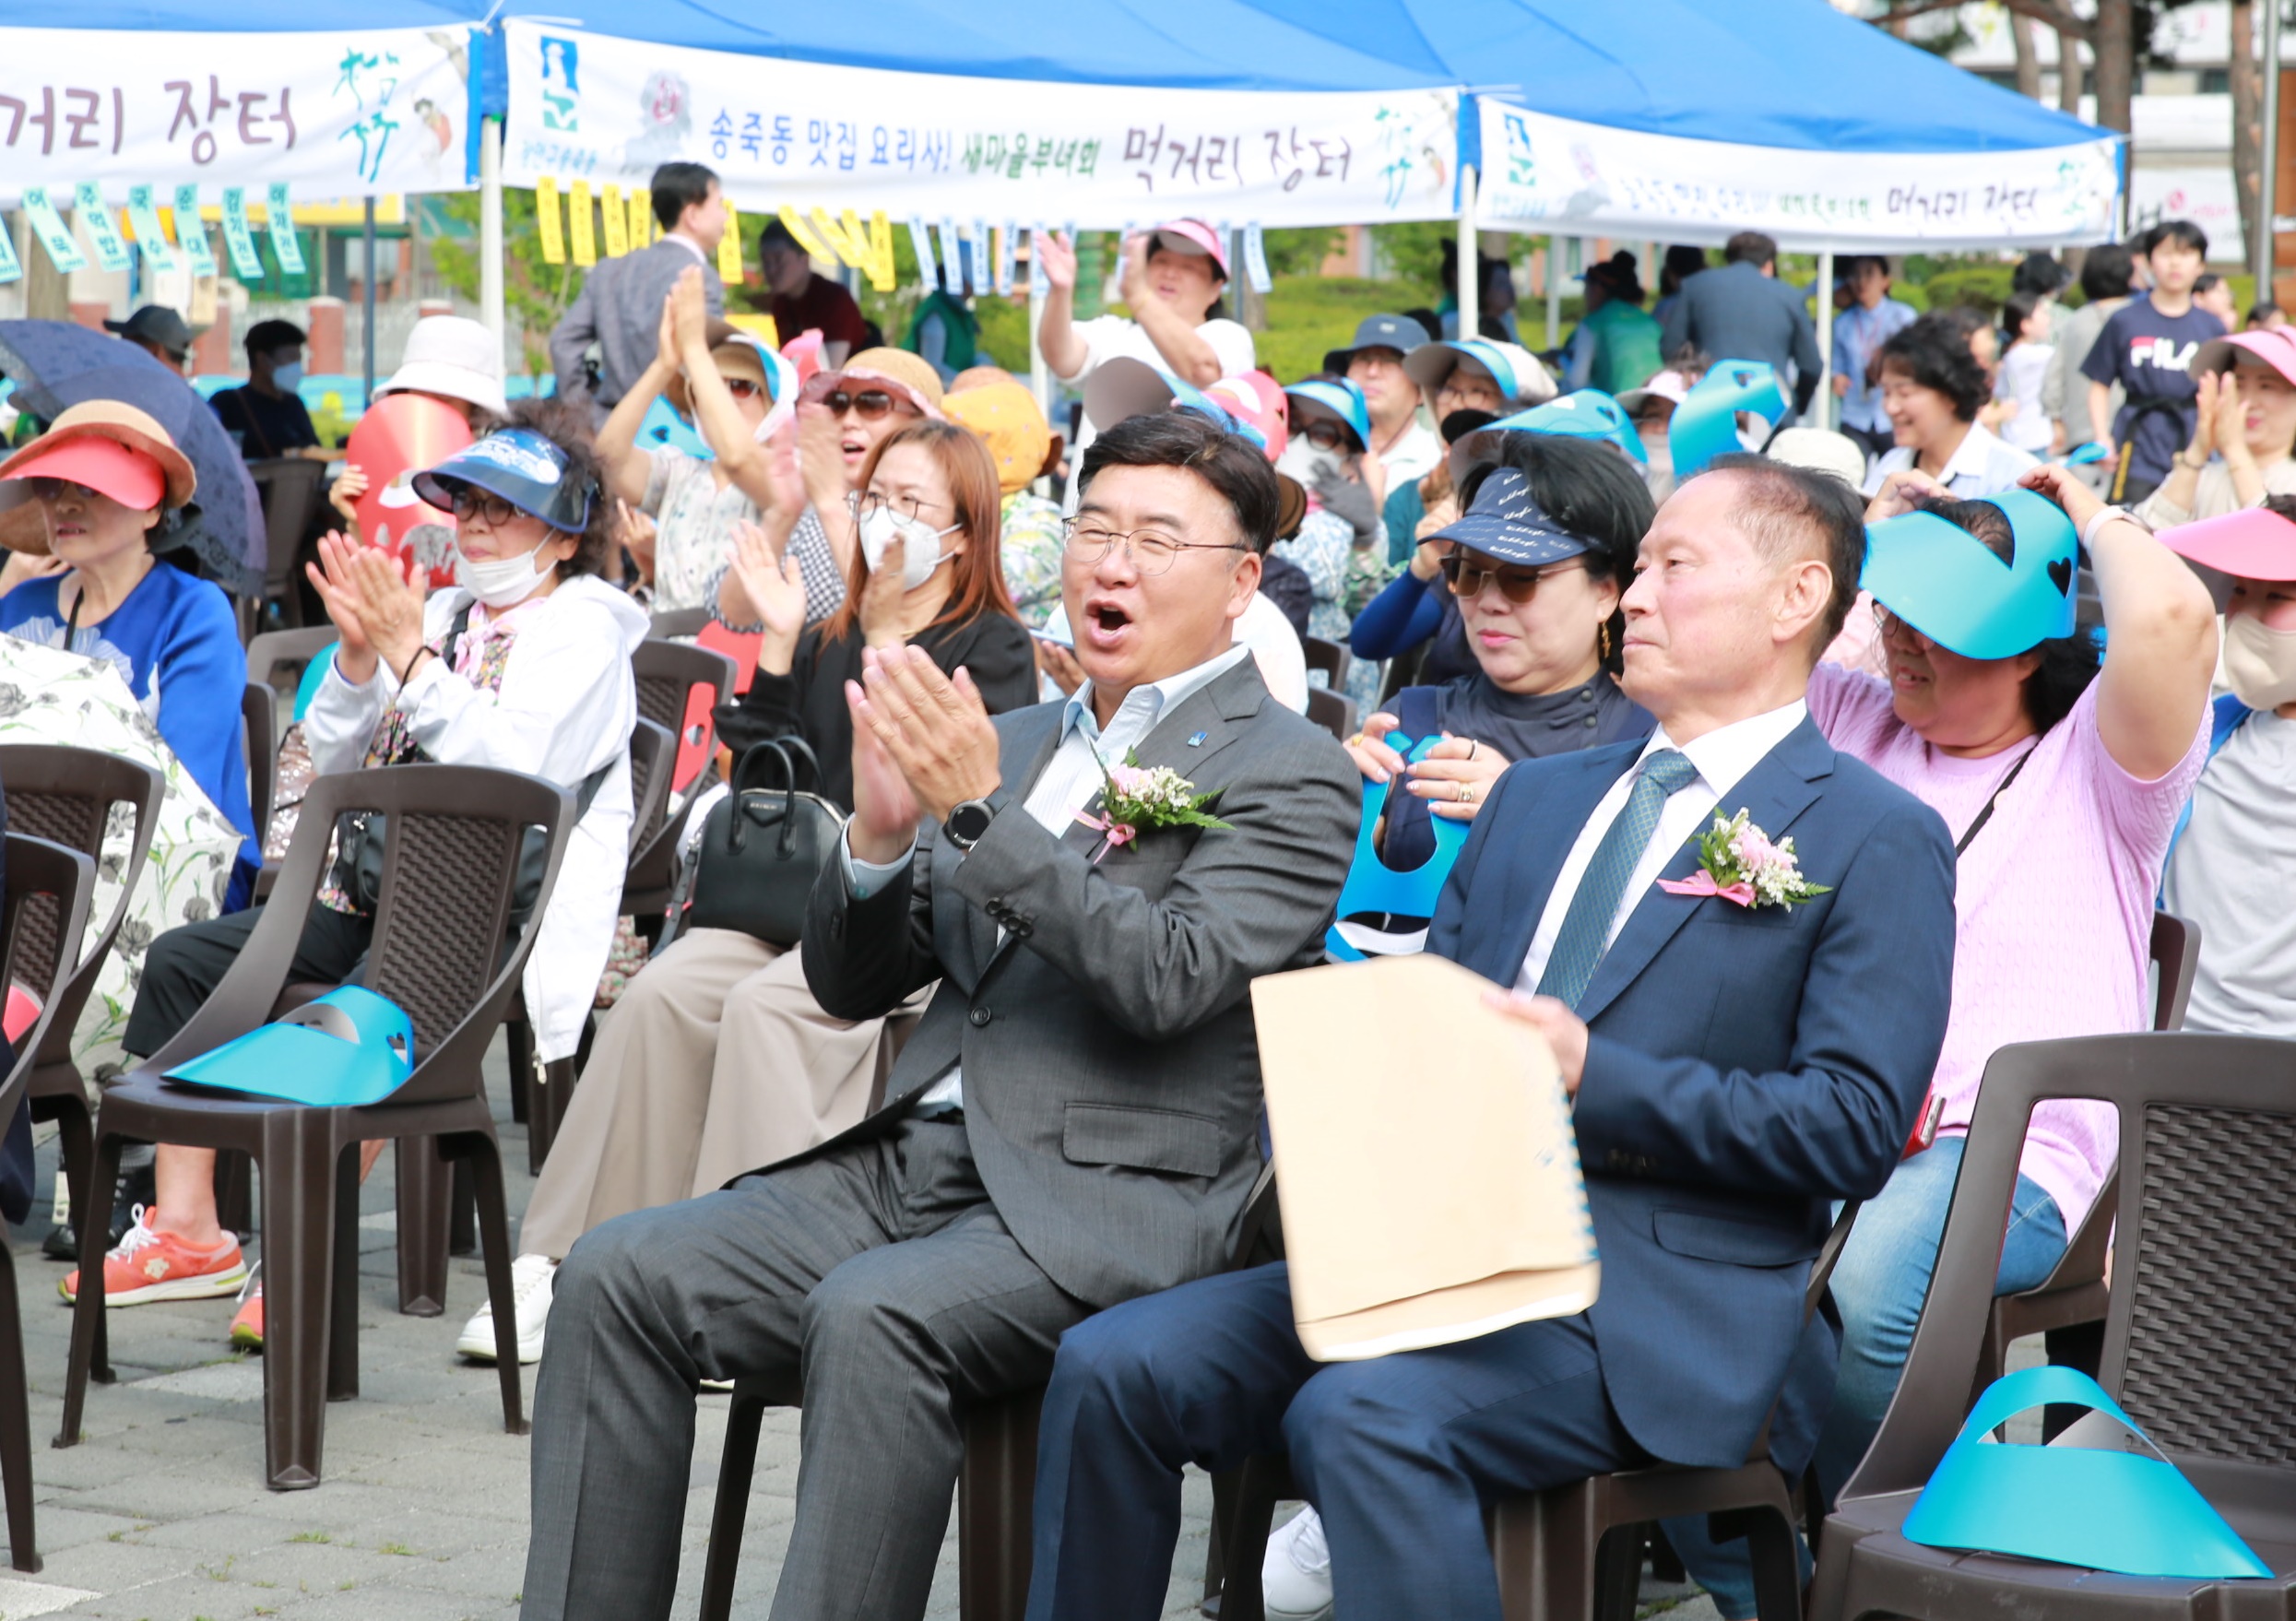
769 753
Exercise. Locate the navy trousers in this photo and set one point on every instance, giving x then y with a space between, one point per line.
1398 1454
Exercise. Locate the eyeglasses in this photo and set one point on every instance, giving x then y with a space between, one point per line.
484 504
1468 391
46 489
1467 579
870 405
743 389
861 504
1326 435
1150 550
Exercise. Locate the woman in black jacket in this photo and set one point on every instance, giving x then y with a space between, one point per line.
717 1060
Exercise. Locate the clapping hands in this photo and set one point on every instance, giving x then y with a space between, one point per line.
375 602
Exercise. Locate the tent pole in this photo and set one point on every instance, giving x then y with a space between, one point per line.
2260 252
490 229
1039 374
366 308
1554 293
1822 402
1469 258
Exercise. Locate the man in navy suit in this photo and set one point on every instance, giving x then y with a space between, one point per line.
1734 1070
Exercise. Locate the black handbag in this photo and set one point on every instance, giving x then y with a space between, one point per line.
761 847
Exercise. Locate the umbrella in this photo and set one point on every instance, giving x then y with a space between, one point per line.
51 696
56 363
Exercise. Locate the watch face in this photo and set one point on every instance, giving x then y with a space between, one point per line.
969 822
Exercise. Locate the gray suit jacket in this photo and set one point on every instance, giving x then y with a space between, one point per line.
1735 313
1111 1071
620 311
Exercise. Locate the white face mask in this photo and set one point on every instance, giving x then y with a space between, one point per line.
1305 463
2259 661
921 544
502 582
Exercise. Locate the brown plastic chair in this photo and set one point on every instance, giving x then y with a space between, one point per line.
448 875
1335 712
68 795
2068 1306
667 672
258 713
1573 1552
2199 1342
1330 657
49 891
996 1485
677 621
274 658
289 490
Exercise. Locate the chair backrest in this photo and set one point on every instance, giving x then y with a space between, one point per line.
49 891
1333 712
69 795
450 867
651 749
2175 959
289 652
259 713
1327 656
677 621
289 487
677 688
2200 1330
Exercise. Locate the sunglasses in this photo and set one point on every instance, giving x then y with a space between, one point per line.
1468 578
743 389
47 489
870 405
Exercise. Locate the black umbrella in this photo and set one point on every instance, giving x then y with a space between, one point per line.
56 364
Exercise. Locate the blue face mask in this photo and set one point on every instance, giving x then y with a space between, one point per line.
287 378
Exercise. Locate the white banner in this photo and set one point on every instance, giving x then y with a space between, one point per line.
328 114
2202 193
1573 179
593 107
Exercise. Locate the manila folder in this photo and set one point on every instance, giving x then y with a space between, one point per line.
1426 1170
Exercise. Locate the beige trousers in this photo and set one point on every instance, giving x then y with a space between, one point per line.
715 1060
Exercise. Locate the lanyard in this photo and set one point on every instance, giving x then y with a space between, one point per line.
1993 800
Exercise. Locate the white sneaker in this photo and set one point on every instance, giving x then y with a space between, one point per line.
1296 1576
530 1278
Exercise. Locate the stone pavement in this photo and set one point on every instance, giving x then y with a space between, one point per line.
160 1513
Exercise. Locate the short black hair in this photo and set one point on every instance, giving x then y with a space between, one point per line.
1592 491
2205 281
2068 663
265 335
1780 506
1616 275
1681 263
2107 271
2018 309
1231 463
1429 322
2039 272
1749 247
2182 232
2257 312
677 187
1856 263
778 235
1934 352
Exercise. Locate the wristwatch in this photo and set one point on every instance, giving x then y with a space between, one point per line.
968 821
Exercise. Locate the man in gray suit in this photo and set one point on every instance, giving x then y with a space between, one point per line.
1743 312
1074 1122
621 306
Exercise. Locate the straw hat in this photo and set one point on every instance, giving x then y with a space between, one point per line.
913 375
1010 423
111 447
455 357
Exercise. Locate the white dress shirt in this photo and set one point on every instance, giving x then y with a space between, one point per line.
1984 464
1065 787
1723 756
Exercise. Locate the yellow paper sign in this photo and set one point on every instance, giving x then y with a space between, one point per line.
617 222
760 328
585 231
641 220
730 248
813 245
841 243
546 220
881 252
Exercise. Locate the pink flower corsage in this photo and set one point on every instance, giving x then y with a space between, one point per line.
1738 862
1136 800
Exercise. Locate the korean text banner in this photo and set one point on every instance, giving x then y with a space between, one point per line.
328 114
588 106
1574 179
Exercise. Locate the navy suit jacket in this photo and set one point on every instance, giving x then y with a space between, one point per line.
1744 1067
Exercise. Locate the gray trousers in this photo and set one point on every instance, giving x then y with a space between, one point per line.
882 1271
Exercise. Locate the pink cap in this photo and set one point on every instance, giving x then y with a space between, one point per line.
2275 347
1192 236
2253 544
1257 399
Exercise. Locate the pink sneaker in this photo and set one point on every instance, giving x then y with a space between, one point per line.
150 1264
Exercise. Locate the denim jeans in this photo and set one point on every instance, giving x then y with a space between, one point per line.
1879 1287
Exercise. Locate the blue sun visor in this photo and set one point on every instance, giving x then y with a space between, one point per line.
1588 414
348 1049
1705 425
1952 587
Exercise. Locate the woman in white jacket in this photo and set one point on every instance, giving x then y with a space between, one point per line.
524 666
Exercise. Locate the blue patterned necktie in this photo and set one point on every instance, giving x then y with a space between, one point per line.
1585 933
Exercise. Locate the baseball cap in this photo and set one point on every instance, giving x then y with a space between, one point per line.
155 324
1398 332
1505 522
1190 236
1336 398
523 468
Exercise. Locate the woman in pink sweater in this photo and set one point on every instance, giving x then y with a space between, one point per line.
2061 775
